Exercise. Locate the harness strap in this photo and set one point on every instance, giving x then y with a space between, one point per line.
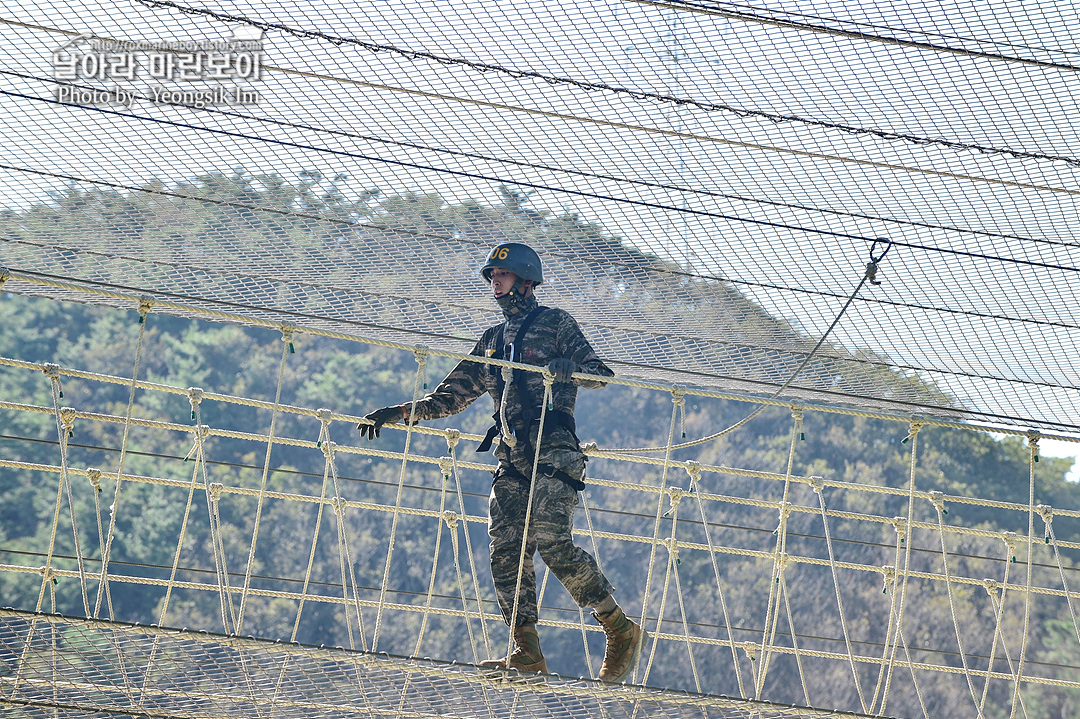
576 484
519 379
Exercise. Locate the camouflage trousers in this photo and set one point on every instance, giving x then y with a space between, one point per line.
552 521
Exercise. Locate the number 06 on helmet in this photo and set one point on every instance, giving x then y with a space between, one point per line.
516 257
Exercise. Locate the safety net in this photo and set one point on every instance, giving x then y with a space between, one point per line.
704 180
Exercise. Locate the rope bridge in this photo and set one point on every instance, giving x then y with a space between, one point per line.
1025 570
90 668
703 180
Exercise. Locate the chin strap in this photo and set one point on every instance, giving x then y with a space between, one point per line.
513 297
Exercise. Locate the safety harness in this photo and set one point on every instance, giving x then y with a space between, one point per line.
530 408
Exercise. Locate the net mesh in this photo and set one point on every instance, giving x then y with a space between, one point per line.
704 182
89 669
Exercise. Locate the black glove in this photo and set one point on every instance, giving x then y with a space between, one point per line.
562 368
378 418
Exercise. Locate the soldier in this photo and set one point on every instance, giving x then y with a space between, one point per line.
534 335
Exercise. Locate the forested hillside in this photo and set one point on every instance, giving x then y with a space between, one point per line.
352 377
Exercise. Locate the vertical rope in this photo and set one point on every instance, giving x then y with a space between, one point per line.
1033 457
106 553
672 552
179 547
52 371
819 488
421 355
529 507
1047 514
1005 645
999 607
794 637
65 419
772 609
287 332
323 444
913 436
213 491
93 476
677 394
172 578
889 578
345 563
600 566
452 438
446 468
676 494
451 518
939 504
694 470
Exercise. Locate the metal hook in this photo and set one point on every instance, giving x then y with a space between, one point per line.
888 246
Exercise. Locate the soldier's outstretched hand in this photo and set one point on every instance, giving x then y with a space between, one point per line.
562 368
378 418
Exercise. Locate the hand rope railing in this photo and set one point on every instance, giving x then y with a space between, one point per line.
164 302
215 490
219 489
589 449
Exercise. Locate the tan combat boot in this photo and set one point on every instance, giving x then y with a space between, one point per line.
526 655
624 642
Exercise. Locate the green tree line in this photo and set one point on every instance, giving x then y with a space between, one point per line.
315 222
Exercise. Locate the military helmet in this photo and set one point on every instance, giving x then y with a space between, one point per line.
516 257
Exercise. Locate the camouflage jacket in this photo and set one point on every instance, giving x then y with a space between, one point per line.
553 334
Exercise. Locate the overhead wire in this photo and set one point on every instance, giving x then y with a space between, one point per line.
598 86
701 192
577 193
707 9
890 28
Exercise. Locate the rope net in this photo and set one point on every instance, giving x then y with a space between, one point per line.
867 590
93 669
704 182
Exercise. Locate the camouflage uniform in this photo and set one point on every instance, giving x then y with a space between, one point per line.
553 334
